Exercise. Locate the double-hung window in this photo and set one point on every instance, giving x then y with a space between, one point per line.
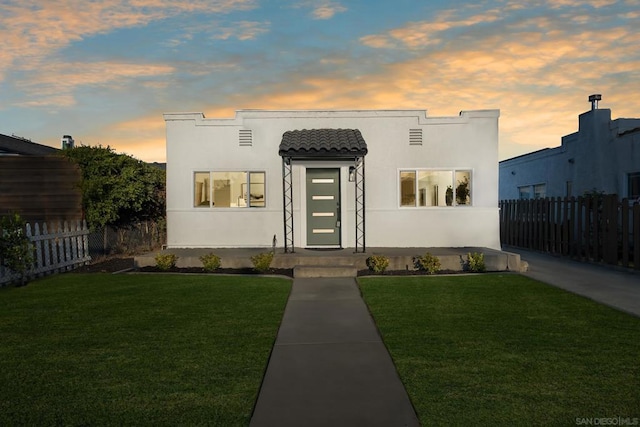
229 189
434 187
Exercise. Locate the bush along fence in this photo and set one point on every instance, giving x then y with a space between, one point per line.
598 228
58 247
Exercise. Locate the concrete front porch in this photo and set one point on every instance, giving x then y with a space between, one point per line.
339 262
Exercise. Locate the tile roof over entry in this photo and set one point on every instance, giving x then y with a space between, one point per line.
323 143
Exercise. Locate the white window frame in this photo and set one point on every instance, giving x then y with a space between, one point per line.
453 171
211 194
532 191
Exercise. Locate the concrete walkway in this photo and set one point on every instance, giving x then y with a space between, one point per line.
617 289
329 366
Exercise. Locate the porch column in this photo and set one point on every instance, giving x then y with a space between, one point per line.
360 212
287 201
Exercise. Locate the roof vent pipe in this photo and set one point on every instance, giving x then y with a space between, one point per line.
593 99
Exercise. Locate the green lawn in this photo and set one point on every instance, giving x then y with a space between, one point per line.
136 349
504 349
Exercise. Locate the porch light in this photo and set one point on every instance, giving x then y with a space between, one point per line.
352 173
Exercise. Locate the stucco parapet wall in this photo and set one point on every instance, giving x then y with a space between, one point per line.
625 126
242 115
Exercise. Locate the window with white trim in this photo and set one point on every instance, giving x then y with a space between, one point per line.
537 191
434 187
233 189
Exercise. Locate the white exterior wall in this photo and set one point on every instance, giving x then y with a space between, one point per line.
469 141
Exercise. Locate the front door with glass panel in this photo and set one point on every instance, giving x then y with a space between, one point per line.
323 207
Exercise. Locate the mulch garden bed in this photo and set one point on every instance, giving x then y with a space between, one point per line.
107 265
117 264
199 270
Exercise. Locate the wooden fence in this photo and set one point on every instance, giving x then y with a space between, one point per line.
57 248
597 229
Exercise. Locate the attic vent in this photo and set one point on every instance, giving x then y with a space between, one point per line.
245 137
415 136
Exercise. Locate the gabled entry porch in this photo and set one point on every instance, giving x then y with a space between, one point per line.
321 151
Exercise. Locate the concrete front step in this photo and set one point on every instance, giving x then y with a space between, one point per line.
324 271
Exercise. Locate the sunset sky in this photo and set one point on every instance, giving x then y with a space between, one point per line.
105 71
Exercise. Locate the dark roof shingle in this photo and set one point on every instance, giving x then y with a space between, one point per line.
310 143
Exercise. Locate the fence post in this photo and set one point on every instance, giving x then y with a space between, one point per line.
572 227
54 249
501 216
85 240
580 227
540 224
526 205
595 223
636 236
624 217
65 243
33 266
565 227
46 244
39 243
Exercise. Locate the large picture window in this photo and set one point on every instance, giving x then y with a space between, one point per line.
431 188
229 189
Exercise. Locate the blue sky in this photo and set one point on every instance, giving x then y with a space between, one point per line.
105 71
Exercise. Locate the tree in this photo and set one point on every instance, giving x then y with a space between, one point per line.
118 190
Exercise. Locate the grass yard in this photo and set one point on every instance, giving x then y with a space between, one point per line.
505 349
96 349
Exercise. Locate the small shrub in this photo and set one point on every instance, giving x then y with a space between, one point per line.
16 250
378 263
262 261
475 262
166 261
210 262
427 262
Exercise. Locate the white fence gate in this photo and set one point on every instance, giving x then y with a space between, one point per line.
62 248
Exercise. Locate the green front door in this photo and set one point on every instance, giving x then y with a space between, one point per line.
323 207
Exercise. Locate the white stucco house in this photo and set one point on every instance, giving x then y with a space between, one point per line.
602 156
332 179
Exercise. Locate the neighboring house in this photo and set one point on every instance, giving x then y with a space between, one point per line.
37 184
603 156
300 176
17 146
